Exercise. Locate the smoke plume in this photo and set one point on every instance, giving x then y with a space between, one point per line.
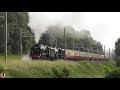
39 21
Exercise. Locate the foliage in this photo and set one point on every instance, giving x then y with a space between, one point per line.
117 47
117 59
64 72
114 73
117 52
3 69
17 21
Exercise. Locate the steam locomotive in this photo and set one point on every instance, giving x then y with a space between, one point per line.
50 53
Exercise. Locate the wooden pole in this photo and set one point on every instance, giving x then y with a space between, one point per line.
64 44
6 39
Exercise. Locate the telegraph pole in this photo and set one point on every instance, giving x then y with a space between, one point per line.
88 47
64 42
88 52
73 45
109 53
20 43
6 38
104 51
97 52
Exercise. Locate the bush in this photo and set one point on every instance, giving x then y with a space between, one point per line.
115 73
2 69
58 72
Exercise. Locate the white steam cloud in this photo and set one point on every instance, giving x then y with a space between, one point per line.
39 21
26 58
104 26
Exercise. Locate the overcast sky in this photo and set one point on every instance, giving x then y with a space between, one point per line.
104 26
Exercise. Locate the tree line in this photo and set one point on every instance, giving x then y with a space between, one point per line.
17 22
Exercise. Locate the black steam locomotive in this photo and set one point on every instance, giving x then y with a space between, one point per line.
50 53
46 52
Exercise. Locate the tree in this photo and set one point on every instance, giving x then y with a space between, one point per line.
117 52
16 21
117 47
2 32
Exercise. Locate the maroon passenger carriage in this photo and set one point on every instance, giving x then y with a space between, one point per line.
78 55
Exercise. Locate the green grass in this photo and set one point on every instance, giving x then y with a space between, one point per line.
43 68
10 57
